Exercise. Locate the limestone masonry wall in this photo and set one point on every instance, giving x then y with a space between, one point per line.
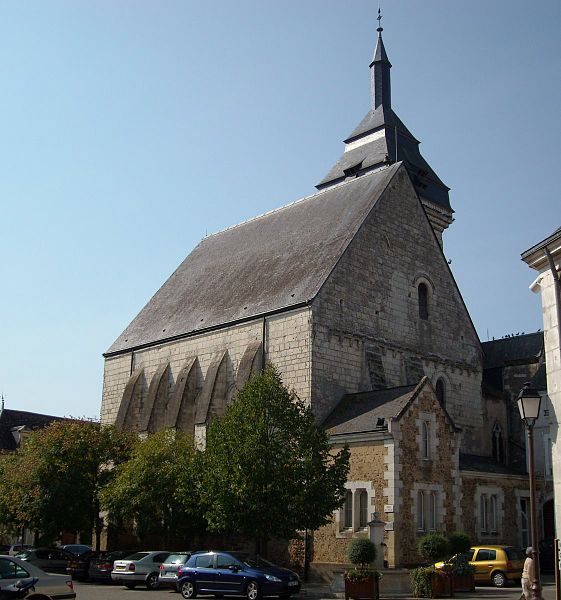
367 331
287 346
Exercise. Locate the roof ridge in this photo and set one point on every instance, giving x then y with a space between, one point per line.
303 199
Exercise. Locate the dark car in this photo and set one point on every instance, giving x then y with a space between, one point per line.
100 567
51 560
79 566
236 573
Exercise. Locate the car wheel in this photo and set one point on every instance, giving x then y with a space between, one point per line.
253 591
130 586
152 582
499 579
188 589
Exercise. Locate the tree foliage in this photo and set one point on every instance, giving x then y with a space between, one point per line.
52 483
157 490
269 468
432 547
361 552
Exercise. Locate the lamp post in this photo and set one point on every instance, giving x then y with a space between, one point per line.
529 401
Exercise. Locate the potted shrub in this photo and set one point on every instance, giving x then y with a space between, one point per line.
462 572
433 547
362 580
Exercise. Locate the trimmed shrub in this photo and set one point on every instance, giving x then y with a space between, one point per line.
459 543
433 547
361 552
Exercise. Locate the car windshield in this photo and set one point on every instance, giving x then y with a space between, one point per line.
137 556
177 559
255 561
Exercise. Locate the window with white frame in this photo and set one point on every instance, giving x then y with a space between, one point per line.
363 509
355 512
488 513
348 511
425 440
427 507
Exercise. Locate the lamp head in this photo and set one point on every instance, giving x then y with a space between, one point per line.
529 401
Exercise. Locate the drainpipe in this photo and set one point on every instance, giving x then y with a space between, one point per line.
263 334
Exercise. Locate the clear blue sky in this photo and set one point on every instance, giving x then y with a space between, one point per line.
131 128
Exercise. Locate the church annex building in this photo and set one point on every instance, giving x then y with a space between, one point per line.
348 293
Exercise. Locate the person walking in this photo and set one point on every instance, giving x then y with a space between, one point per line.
528 574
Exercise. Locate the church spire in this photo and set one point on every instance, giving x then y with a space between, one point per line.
380 72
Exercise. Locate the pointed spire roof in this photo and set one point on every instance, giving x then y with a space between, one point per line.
382 138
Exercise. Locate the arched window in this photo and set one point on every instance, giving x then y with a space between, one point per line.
363 509
425 441
498 443
441 391
348 520
423 293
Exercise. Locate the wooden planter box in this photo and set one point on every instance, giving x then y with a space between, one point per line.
369 588
442 586
463 583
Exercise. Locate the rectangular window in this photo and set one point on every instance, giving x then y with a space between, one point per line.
426 440
493 513
483 512
420 511
363 509
432 511
348 511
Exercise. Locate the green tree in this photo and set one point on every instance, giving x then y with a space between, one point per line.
156 490
269 468
53 482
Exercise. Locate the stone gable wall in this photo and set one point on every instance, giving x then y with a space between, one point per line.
367 332
287 346
439 474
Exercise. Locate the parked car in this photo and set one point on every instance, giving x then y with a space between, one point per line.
47 587
498 565
79 566
100 568
236 573
49 559
17 548
169 568
139 568
77 549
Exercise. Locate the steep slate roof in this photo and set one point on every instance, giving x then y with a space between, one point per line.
267 264
368 411
519 349
18 418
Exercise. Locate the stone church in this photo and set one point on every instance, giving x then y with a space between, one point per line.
348 293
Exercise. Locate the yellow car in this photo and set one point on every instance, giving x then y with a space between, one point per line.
494 564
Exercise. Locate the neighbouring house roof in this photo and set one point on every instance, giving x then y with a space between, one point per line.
519 349
11 419
486 464
270 263
535 257
368 411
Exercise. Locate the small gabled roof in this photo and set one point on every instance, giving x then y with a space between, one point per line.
518 349
370 411
270 263
10 419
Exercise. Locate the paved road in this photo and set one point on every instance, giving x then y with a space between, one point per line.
91 591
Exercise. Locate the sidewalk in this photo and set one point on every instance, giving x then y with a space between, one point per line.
317 591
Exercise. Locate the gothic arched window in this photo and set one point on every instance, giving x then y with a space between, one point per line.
363 509
423 293
498 443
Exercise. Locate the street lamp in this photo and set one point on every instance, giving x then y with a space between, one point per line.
529 401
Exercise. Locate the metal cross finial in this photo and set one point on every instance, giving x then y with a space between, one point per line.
379 19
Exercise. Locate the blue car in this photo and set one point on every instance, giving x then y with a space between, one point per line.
234 573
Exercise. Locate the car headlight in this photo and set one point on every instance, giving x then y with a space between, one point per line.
272 578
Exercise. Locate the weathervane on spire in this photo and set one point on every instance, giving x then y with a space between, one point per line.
379 19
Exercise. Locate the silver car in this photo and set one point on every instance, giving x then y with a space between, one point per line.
49 587
139 568
169 568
